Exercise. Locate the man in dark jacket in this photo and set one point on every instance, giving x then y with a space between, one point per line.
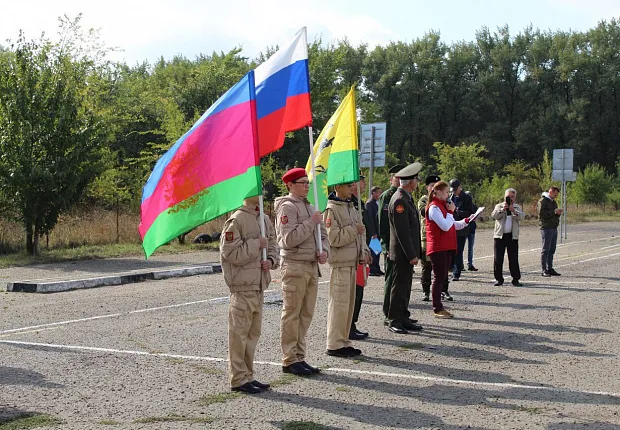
548 219
464 208
372 228
405 249
384 234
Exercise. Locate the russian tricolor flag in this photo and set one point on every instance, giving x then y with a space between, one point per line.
283 94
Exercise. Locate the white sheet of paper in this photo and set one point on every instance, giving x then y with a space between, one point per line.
474 216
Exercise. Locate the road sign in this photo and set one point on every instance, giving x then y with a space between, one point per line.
375 151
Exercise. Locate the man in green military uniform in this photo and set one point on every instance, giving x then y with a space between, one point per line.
384 234
405 249
427 268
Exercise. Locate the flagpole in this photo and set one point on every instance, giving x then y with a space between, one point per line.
262 224
315 189
359 208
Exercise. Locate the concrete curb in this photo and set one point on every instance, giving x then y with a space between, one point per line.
116 279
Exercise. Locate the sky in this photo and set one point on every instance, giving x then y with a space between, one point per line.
147 30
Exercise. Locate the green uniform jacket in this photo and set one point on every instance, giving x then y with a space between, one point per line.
404 228
384 222
422 209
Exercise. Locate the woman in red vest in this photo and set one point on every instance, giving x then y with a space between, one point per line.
441 240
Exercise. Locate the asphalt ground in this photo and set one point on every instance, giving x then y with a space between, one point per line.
153 355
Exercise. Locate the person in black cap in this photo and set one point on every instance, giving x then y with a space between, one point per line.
464 208
427 267
384 234
405 249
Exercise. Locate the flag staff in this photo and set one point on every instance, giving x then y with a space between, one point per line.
359 208
262 222
315 189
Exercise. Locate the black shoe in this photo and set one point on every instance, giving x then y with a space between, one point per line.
397 328
296 369
312 369
354 351
546 274
552 272
447 296
386 322
247 388
498 283
354 328
472 269
381 272
426 297
260 385
412 321
355 335
456 278
409 326
375 274
517 283
343 352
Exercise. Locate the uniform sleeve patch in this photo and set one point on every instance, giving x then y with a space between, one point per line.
328 222
400 209
284 219
230 236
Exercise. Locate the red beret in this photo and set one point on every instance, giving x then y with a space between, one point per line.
294 174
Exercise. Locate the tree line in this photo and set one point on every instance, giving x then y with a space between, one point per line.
76 128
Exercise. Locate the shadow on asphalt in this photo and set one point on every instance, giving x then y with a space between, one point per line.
382 416
466 396
17 376
543 327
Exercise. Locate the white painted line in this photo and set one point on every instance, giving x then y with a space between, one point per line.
328 370
560 245
33 327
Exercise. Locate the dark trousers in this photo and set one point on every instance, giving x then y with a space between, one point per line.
374 265
458 258
441 262
471 239
500 246
359 296
427 271
400 292
389 275
549 240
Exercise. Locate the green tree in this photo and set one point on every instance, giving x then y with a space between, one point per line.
50 135
466 162
592 185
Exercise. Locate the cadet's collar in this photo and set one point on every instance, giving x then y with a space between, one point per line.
251 209
300 199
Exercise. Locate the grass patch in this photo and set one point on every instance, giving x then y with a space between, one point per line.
343 389
411 346
109 423
211 399
174 418
303 425
175 360
28 421
359 360
285 379
531 410
208 370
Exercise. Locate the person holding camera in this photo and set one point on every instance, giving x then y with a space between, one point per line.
549 220
506 237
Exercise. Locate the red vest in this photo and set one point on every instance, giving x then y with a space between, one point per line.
438 240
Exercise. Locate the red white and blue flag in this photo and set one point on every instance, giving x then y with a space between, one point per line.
283 94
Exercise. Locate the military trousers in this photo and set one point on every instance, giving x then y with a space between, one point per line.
340 306
400 291
389 275
300 282
245 314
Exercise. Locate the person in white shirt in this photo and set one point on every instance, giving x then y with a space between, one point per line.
506 237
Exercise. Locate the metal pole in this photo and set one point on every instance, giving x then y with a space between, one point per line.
359 208
319 242
565 204
372 159
262 223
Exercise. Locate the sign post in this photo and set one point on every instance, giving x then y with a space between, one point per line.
563 171
372 148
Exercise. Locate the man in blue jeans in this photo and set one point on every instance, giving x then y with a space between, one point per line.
471 239
549 220
464 208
